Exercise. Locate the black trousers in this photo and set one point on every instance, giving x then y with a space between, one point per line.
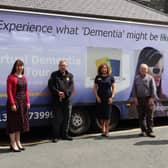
61 119
145 115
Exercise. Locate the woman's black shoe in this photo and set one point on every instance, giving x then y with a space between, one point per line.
105 135
14 150
21 148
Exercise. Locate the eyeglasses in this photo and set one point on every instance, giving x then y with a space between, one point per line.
156 70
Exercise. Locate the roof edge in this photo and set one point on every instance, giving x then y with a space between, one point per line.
45 11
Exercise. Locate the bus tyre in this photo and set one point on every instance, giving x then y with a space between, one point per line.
114 121
80 122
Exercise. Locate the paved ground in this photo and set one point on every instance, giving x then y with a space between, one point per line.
121 149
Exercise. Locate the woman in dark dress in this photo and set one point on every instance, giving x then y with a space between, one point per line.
18 104
104 90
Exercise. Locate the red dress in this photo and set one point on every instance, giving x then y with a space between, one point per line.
17 94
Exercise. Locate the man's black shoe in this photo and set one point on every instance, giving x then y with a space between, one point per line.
142 134
67 138
54 140
151 135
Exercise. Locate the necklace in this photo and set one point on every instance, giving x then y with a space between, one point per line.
19 75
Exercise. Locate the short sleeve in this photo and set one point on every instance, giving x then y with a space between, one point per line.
112 79
95 81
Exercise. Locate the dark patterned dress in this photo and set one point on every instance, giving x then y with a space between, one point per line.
104 92
18 120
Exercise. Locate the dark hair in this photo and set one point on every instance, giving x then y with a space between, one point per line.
100 68
149 56
17 63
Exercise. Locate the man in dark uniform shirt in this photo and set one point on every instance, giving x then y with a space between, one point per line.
61 86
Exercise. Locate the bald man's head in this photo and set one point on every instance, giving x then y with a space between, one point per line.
143 69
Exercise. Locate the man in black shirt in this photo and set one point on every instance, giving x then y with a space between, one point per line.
61 86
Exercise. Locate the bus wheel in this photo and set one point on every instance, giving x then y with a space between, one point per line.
114 121
80 121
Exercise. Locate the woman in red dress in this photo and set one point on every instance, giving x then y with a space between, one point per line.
18 104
